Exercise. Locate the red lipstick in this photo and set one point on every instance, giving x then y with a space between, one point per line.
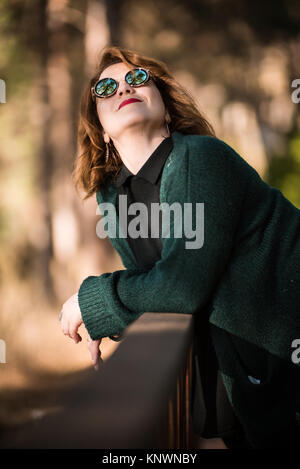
127 101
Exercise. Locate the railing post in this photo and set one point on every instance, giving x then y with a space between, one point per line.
180 428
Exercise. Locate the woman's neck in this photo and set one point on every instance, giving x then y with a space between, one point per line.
135 149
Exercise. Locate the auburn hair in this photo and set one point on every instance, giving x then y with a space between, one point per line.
91 171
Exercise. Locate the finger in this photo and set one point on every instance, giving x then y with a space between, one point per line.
64 326
93 346
97 366
74 334
89 339
97 363
66 330
94 350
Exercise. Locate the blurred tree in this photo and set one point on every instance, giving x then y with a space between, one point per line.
114 15
25 26
237 58
284 170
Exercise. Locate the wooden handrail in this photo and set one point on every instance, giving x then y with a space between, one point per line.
139 398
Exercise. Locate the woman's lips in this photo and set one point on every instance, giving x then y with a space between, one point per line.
128 101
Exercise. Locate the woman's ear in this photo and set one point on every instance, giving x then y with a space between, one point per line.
168 117
105 137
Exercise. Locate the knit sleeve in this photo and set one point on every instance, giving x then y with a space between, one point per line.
212 175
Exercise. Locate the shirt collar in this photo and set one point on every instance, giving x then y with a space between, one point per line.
152 167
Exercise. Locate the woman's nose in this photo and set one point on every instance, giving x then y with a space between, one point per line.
124 88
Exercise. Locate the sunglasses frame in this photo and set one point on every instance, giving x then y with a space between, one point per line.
93 89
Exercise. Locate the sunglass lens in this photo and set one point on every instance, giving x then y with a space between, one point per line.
105 87
136 78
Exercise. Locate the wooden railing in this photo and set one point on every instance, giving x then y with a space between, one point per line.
139 398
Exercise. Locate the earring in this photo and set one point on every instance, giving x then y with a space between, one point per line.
107 152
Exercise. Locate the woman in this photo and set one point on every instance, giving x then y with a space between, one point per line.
241 282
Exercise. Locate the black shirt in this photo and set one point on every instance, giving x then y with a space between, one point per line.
145 187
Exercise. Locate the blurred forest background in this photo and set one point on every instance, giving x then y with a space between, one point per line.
239 60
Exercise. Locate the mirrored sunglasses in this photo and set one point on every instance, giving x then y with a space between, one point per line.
108 86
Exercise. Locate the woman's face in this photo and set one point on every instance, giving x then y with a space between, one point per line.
149 113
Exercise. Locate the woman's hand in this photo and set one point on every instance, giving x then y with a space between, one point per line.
71 318
211 443
94 348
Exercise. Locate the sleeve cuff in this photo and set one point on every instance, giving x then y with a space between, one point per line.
96 314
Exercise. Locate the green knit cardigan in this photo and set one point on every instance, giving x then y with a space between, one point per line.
248 268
